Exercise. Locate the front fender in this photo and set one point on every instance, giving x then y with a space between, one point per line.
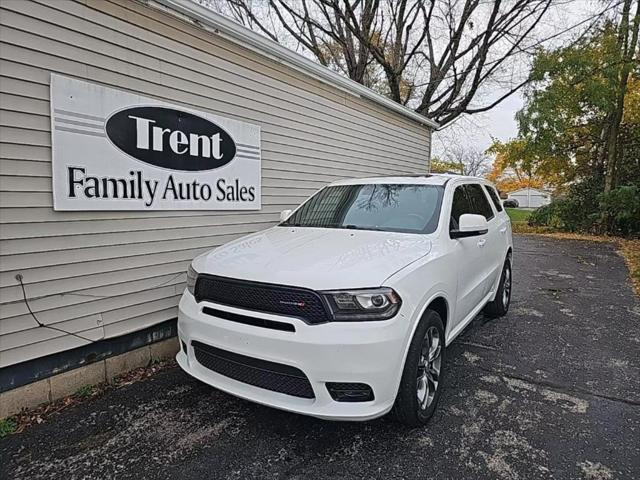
417 288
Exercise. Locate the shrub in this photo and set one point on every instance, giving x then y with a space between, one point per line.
550 215
584 210
621 209
561 214
7 427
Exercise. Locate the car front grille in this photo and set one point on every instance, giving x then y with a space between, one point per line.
273 376
262 297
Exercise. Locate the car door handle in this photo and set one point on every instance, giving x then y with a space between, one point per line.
503 230
481 243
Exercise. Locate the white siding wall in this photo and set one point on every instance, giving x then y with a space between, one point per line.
103 274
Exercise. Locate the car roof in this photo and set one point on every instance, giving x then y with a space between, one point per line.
426 179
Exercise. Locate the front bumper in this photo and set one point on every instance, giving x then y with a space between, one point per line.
358 352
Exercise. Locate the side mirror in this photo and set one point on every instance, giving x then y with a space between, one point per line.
470 225
284 214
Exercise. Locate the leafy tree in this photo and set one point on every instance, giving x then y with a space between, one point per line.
514 167
576 102
624 55
628 170
443 166
580 127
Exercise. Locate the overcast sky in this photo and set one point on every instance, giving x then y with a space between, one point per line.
478 130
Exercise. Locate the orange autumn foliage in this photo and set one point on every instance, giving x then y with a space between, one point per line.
510 179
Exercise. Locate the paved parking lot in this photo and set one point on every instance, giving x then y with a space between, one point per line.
550 391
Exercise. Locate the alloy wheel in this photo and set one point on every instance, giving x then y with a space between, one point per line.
429 366
506 288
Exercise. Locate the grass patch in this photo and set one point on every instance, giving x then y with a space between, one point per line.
7 426
518 215
85 391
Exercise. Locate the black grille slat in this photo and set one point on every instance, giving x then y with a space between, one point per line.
262 297
244 319
273 376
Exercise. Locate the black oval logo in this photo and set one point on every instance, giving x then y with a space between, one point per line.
170 138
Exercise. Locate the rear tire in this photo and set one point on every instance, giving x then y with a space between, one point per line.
422 376
500 305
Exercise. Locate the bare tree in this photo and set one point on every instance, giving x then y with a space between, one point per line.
437 56
395 41
317 26
483 39
470 160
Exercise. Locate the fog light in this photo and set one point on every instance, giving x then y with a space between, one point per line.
350 392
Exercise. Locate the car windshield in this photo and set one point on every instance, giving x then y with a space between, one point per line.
386 207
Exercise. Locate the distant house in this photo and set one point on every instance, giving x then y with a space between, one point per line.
530 197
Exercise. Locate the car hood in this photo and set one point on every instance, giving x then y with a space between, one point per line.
316 258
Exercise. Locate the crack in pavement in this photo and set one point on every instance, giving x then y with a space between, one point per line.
478 345
559 387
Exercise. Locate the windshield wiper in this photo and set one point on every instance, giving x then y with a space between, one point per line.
356 227
332 225
304 225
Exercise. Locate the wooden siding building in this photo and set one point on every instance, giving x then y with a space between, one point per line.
105 274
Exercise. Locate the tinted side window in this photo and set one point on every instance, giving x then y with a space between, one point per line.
460 205
494 197
479 201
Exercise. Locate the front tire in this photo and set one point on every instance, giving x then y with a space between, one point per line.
421 381
500 305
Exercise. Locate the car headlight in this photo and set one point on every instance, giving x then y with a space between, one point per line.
369 304
192 276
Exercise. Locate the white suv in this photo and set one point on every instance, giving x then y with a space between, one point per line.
343 310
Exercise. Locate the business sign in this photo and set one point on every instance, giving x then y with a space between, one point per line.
115 150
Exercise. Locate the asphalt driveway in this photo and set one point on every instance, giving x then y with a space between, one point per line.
550 391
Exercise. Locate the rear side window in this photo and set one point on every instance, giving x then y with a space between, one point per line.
461 205
479 201
494 197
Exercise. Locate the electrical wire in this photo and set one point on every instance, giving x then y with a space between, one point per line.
40 324
81 337
161 284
